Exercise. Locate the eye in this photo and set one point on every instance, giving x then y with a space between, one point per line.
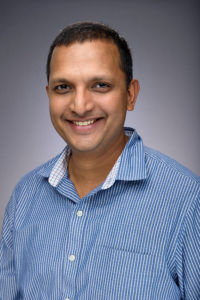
62 88
101 87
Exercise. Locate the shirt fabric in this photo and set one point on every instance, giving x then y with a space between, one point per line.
136 236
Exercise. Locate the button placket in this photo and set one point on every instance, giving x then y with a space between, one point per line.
73 246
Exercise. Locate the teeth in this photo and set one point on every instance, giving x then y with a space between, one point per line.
85 123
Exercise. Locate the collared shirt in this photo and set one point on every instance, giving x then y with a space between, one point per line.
136 236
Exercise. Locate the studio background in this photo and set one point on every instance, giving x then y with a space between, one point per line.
165 39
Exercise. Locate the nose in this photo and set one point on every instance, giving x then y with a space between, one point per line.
81 102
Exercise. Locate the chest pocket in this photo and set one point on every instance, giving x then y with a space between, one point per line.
121 274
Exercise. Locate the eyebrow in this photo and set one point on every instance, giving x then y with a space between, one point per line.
59 80
95 78
100 78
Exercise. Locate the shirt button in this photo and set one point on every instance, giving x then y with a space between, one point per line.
67 299
71 257
79 213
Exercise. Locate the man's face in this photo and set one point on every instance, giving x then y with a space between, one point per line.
88 95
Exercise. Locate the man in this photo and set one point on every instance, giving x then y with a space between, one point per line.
107 218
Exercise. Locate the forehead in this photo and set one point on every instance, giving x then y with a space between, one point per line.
92 55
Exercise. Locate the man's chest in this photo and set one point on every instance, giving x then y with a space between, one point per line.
106 247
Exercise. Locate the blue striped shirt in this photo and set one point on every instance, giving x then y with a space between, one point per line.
136 236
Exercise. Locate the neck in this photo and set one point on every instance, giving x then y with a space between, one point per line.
87 171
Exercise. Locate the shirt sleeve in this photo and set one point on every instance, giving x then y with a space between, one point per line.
188 254
8 287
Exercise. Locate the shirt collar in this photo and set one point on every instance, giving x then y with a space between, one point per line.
129 166
132 165
55 166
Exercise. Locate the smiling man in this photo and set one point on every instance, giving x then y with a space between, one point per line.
108 218
88 103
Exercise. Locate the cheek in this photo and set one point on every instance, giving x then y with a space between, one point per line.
117 106
52 110
56 107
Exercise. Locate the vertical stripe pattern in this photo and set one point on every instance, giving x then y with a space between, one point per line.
136 236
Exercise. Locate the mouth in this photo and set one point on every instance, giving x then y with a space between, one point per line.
85 123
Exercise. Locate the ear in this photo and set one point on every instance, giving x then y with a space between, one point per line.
133 91
47 90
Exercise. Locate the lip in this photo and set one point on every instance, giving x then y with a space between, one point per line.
83 122
84 119
85 128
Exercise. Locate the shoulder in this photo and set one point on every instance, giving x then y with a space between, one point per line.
34 178
168 166
178 191
175 185
26 188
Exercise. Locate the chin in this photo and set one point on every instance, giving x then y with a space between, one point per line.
83 146
82 149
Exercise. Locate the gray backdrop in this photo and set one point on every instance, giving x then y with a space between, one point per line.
165 39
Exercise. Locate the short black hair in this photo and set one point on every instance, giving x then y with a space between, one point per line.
83 31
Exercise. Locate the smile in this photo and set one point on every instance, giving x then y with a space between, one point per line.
84 123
